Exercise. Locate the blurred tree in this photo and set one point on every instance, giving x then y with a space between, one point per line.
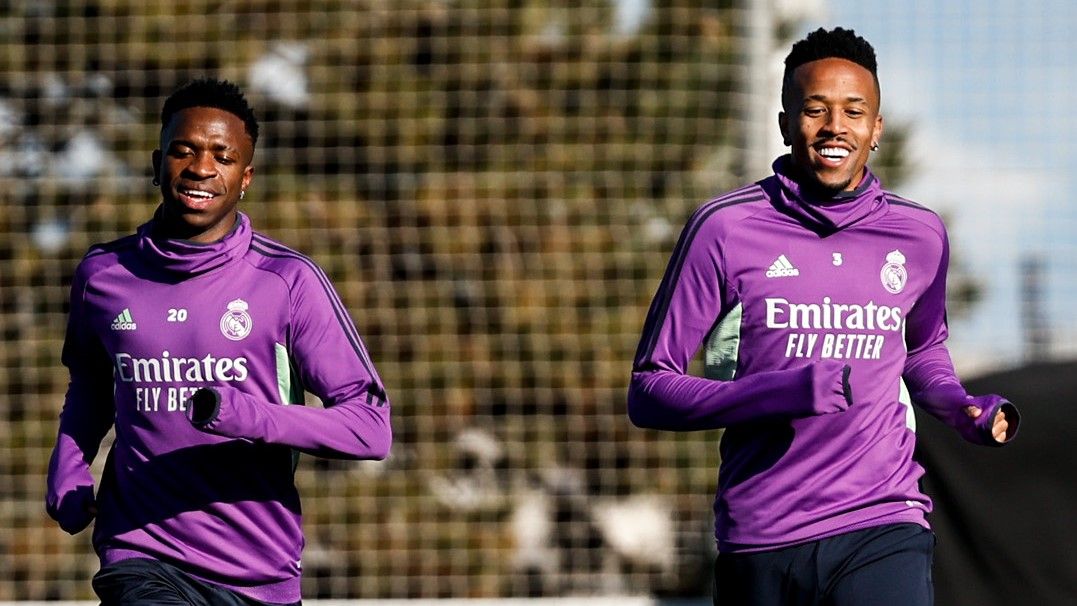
494 187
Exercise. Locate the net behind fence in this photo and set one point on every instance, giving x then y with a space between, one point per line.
494 188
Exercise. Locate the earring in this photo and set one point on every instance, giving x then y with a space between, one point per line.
874 146
156 182
242 193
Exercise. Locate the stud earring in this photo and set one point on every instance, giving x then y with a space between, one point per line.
242 193
874 146
156 182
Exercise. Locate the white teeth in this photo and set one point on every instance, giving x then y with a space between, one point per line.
833 152
197 194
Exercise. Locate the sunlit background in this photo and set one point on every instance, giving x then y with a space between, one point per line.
494 187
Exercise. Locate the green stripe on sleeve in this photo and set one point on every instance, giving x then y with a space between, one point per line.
287 381
723 347
906 399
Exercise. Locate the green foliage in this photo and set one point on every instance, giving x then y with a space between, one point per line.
494 187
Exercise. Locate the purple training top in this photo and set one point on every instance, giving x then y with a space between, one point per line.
151 322
817 318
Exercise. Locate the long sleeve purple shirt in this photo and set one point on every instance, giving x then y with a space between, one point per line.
151 322
818 319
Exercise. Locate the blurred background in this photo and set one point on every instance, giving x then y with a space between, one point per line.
494 187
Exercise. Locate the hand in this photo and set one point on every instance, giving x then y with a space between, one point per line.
76 509
999 426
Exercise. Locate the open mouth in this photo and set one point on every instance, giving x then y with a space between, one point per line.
832 155
195 198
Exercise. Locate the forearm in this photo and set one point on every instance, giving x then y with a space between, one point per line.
933 386
69 494
678 402
350 429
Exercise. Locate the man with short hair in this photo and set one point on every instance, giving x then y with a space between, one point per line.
819 300
196 337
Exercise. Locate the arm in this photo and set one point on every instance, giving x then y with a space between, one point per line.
332 364
674 401
931 379
690 299
87 415
349 429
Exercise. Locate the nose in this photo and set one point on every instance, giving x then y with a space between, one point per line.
202 166
835 123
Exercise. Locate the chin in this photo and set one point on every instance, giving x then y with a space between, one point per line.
830 187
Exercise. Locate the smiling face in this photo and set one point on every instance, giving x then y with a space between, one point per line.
204 165
831 120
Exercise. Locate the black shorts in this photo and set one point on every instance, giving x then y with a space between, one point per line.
882 566
141 582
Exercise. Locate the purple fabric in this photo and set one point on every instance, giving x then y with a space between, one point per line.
784 292
342 431
151 323
681 402
192 258
828 213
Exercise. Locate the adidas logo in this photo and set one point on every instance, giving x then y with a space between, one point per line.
124 321
782 268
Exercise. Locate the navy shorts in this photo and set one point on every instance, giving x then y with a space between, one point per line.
142 582
882 566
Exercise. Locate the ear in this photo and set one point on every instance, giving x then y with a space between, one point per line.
248 176
877 132
156 160
783 123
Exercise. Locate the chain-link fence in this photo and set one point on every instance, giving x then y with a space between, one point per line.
494 187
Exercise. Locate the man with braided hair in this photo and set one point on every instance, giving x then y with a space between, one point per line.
818 298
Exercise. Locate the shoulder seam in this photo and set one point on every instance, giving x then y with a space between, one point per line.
660 307
936 226
101 248
748 193
896 199
268 248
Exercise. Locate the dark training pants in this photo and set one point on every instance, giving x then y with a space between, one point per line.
144 582
882 566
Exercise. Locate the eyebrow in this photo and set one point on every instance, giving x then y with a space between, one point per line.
189 143
849 99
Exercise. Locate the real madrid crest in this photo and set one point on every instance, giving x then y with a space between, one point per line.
236 323
893 273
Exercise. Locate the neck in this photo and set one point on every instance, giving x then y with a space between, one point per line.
173 227
814 189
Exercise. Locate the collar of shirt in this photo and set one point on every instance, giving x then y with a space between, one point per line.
821 212
193 258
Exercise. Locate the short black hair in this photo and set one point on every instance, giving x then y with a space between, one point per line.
210 92
838 43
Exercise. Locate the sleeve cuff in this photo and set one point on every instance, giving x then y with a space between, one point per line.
1013 420
73 512
204 407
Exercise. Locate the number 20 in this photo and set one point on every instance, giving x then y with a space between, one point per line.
177 315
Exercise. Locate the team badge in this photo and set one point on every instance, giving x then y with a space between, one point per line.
893 273
236 323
